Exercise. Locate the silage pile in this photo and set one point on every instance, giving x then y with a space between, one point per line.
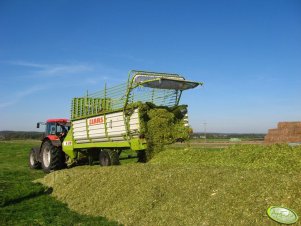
277 157
186 187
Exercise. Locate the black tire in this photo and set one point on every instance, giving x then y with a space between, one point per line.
142 156
52 158
108 157
33 162
181 140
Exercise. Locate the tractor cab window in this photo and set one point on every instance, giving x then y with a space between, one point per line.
51 128
62 129
59 129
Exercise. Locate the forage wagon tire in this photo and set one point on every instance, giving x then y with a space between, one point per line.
33 163
142 157
108 157
52 158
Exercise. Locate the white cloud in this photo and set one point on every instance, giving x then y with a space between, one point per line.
64 69
21 94
7 104
86 76
27 64
44 70
30 91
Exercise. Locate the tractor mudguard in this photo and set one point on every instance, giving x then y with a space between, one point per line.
56 143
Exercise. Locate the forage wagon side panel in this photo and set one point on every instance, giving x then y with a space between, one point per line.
80 131
105 128
134 124
116 128
97 128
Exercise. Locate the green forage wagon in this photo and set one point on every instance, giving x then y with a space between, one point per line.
105 123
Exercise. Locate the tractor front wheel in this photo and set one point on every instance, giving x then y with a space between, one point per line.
52 157
33 163
108 157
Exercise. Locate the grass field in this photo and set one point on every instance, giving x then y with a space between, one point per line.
185 185
25 203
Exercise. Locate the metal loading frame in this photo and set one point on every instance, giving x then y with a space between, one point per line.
161 89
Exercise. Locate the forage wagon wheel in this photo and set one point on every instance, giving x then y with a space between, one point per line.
52 157
108 157
142 156
33 162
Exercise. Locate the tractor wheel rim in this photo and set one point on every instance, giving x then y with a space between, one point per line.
31 158
46 157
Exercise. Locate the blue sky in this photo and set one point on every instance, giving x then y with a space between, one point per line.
247 53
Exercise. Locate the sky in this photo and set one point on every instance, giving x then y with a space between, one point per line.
247 53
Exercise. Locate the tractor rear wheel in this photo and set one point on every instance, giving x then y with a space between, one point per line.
108 157
33 163
52 157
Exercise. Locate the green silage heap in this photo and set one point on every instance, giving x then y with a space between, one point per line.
187 187
161 126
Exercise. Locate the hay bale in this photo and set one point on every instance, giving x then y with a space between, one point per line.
294 138
273 131
297 131
282 125
286 132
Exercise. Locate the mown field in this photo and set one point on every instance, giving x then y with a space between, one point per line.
188 185
25 203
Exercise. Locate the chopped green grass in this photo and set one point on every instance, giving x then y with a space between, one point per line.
25 203
232 186
277 157
161 126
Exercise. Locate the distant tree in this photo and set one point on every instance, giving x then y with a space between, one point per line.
19 135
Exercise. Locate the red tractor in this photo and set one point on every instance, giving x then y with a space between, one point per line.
49 154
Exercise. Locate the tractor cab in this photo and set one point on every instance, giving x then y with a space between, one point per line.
56 129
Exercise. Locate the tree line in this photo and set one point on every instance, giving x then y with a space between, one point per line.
20 135
23 135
